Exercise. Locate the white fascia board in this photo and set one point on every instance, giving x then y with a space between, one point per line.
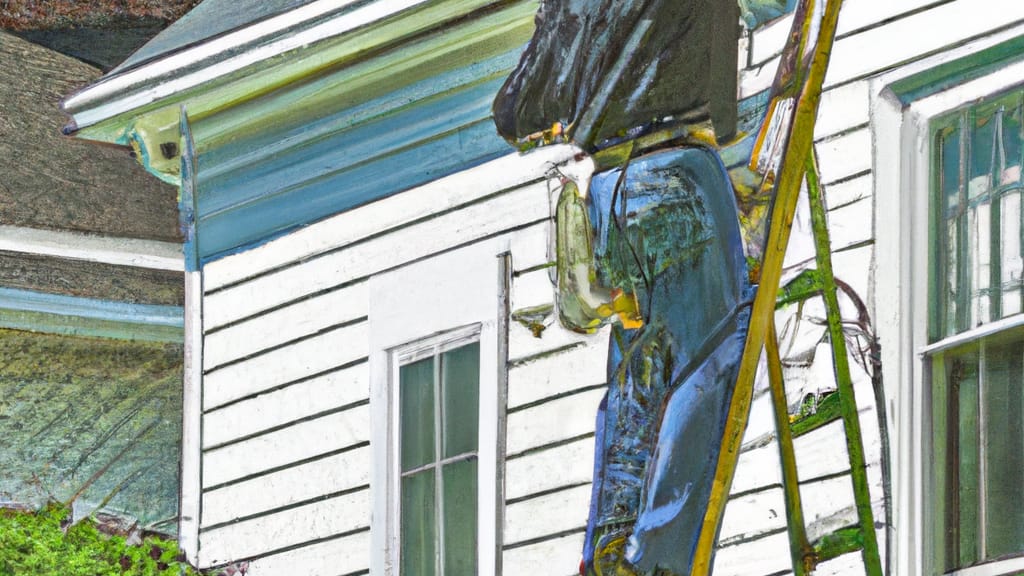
100 101
135 252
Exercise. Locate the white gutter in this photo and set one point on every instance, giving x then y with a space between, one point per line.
96 96
135 252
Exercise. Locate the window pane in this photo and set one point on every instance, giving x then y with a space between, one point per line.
981 155
416 383
460 375
962 490
1004 446
1012 136
1011 261
460 518
1013 133
951 218
419 533
979 234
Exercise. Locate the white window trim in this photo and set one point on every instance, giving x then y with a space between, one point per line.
902 173
459 295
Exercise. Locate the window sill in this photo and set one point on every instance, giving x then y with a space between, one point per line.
971 335
995 568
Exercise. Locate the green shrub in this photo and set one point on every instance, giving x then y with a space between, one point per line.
41 544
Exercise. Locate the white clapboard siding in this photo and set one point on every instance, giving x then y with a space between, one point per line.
842 108
285 324
458 189
761 422
756 469
546 515
284 365
892 43
532 289
338 473
760 557
851 224
753 515
846 565
290 527
843 156
301 400
824 498
822 451
553 421
900 41
555 557
767 42
346 555
528 204
844 193
523 345
855 268
581 366
566 465
286 446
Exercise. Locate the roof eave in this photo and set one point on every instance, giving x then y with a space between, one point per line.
139 107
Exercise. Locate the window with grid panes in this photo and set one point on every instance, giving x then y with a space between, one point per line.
439 407
976 349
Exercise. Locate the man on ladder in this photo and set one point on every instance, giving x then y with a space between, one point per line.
651 243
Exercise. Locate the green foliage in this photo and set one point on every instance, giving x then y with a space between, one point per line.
815 412
842 541
36 544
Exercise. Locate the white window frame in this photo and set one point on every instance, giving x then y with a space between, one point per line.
902 191
459 296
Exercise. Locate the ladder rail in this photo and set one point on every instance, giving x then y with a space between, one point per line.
781 221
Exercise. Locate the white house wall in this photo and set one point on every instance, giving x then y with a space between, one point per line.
286 452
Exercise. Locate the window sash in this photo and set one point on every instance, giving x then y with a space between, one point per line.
977 215
976 269
440 465
978 464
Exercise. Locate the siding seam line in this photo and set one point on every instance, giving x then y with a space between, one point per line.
547 492
928 54
517 362
866 28
283 305
285 508
268 349
288 384
545 538
365 277
549 445
289 424
284 467
375 235
559 396
269 553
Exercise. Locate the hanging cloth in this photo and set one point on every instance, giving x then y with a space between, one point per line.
603 71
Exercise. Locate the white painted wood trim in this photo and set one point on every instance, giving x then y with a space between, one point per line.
973 334
992 568
104 249
456 292
190 495
134 83
901 172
